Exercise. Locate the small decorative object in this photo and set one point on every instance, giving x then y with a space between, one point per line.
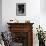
11 20
27 21
41 36
20 9
14 21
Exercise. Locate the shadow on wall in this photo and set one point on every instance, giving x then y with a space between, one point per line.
0 14
43 6
0 23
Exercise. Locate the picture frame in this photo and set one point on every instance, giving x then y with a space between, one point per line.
21 9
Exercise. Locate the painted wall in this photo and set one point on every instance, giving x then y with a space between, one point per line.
33 13
9 11
43 14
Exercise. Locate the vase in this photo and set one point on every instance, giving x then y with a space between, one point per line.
41 43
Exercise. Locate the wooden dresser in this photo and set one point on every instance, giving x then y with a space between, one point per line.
22 33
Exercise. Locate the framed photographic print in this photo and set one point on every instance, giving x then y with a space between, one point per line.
21 9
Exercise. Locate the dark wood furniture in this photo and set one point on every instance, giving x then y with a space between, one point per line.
22 33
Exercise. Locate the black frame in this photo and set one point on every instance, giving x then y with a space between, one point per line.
21 9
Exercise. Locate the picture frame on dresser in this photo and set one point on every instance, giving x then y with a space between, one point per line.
21 9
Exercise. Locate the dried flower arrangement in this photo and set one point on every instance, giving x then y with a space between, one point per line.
41 36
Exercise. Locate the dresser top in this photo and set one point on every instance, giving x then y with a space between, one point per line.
19 23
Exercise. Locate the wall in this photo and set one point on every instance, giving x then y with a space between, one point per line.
9 10
43 14
33 13
0 15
